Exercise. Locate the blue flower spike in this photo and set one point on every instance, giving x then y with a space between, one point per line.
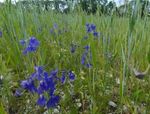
31 45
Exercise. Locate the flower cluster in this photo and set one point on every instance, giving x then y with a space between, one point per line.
86 57
91 28
31 45
44 84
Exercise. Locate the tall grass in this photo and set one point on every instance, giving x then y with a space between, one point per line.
122 42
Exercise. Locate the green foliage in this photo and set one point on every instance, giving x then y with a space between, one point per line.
122 41
2 110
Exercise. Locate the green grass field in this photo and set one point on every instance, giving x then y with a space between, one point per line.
108 86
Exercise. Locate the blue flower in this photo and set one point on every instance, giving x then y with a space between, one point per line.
50 83
87 24
53 73
31 48
71 76
90 28
1 34
43 85
93 27
33 42
39 69
32 45
52 91
88 65
33 76
25 84
95 34
53 101
55 26
40 90
29 85
83 58
87 47
22 42
45 74
39 72
18 93
63 78
41 101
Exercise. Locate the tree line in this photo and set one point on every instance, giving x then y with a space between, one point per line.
103 7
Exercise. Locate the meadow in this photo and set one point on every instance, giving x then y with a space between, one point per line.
87 64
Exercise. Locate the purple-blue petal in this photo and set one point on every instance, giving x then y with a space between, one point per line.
93 27
40 90
29 85
73 48
83 59
95 34
53 101
53 73
41 101
22 42
24 84
55 26
33 42
18 93
63 77
88 65
71 76
87 47
1 34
